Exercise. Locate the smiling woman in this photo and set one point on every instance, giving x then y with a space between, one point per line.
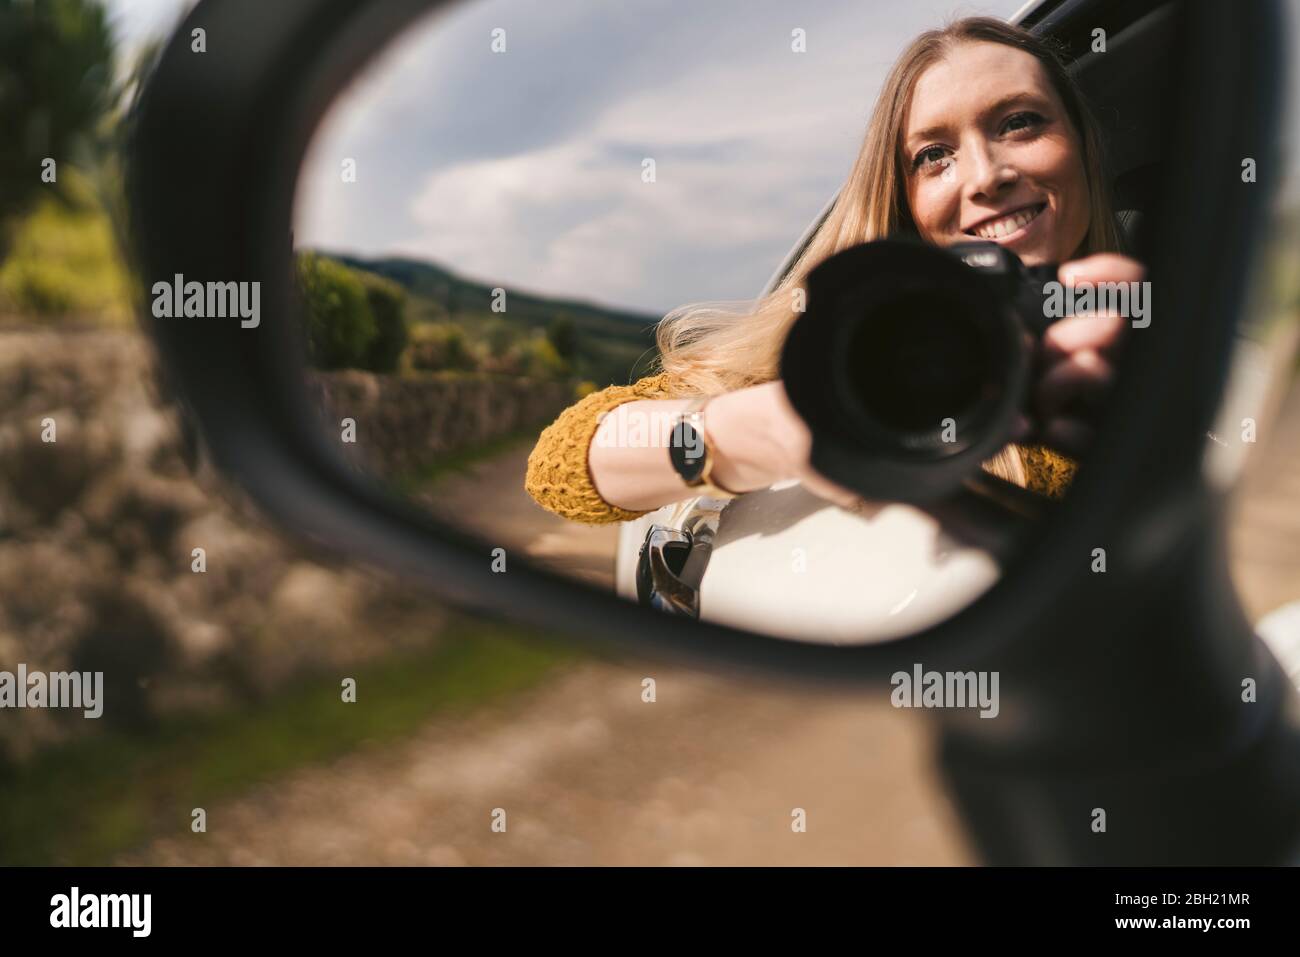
580 438
979 131
992 151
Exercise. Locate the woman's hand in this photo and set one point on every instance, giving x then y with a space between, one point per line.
1075 361
758 439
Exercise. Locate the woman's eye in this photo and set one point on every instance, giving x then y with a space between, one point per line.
1021 121
931 157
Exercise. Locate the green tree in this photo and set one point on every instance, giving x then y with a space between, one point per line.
563 335
387 303
56 80
340 327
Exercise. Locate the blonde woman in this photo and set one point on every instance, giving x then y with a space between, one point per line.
979 132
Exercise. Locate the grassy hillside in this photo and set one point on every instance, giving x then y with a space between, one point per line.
64 261
611 346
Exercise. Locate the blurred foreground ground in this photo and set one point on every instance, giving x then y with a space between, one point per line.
1265 527
709 774
589 774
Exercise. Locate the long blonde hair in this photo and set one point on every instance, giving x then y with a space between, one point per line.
709 350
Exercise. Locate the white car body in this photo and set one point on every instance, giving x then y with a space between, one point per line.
791 565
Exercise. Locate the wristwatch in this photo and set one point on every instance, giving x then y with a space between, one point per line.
690 453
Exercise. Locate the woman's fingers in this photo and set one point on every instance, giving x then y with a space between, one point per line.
1099 333
1081 377
1066 398
1102 267
1075 371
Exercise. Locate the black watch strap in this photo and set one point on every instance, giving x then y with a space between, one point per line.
690 452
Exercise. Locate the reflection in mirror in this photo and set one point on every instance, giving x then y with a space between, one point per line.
571 282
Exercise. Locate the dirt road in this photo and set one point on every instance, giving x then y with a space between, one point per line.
489 499
710 773
588 773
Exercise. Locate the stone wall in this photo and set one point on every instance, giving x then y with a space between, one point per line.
97 530
406 423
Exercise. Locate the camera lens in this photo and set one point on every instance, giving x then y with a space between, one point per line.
908 368
916 361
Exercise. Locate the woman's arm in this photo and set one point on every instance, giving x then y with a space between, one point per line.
754 434
628 455
558 478
625 473
605 459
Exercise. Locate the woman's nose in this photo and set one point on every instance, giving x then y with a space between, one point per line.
987 174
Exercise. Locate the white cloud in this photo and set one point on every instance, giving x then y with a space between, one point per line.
525 168
744 158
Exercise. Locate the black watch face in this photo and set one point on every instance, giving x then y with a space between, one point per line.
687 452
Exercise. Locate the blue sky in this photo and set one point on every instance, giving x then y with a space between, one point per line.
524 168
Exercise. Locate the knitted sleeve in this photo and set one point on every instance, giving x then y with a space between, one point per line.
557 476
1048 472
558 479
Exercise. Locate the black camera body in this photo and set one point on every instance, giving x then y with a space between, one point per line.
913 361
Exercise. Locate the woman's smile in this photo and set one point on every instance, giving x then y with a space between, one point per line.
1010 227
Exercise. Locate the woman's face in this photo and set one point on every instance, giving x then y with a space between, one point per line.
989 153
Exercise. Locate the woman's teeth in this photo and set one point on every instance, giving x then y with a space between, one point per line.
1007 224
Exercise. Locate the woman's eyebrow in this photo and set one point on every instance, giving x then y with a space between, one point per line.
1011 100
1002 103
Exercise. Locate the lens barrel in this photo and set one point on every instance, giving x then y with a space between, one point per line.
910 364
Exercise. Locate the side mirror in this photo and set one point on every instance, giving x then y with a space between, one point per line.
1108 668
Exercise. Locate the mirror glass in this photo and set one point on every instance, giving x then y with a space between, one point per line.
525 233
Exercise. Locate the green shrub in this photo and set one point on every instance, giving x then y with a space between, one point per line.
562 334
387 302
339 325
42 288
500 337
441 346
64 261
543 361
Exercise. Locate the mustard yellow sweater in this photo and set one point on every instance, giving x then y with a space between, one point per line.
559 481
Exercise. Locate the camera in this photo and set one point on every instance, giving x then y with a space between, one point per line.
912 362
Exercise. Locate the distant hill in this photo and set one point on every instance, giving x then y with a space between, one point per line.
458 295
616 345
